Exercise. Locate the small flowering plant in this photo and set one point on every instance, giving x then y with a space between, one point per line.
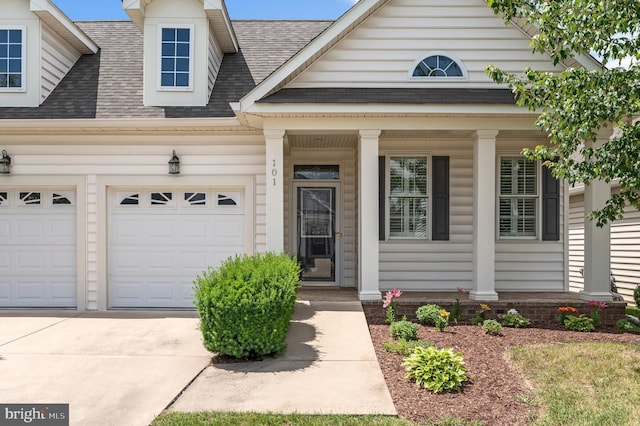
389 303
455 315
443 320
563 311
481 315
595 313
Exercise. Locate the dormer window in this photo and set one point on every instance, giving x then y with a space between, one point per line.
12 53
438 65
176 58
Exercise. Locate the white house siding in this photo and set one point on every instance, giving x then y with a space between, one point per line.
625 248
383 51
576 242
346 158
229 157
57 58
215 59
435 265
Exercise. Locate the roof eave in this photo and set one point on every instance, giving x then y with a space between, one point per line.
59 22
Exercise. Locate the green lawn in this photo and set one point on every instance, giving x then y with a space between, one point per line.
583 383
250 419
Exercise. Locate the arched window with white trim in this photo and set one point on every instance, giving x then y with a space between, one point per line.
438 65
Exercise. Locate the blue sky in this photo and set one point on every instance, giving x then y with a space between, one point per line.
79 10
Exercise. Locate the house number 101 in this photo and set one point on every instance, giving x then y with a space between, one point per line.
274 172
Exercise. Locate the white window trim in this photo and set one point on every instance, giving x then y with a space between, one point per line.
411 77
538 197
387 190
191 29
23 79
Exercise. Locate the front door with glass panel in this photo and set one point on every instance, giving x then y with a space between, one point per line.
317 231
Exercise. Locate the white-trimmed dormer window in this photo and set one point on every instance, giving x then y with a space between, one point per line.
438 65
176 57
12 58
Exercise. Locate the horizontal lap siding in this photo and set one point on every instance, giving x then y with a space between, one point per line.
57 58
576 242
214 60
384 49
436 265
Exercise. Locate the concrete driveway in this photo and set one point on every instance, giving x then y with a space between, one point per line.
115 368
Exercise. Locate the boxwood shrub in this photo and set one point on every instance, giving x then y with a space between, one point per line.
246 304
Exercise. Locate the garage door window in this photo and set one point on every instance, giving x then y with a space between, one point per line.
4 198
227 200
62 199
195 199
128 199
162 199
29 198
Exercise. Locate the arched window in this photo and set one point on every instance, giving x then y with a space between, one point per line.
438 66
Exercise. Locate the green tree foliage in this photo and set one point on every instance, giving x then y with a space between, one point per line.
579 104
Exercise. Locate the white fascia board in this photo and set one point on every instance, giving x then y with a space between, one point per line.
303 59
217 12
136 10
118 125
60 23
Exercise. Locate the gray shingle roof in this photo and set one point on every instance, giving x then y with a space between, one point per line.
392 96
109 83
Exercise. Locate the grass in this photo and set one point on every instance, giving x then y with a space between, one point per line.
583 383
250 419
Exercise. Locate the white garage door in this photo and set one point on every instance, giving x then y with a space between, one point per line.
160 240
37 248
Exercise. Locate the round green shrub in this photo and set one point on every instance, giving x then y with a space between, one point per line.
438 370
405 347
404 330
513 320
492 327
428 314
246 304
579 323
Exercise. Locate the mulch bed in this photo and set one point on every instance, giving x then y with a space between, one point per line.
498 394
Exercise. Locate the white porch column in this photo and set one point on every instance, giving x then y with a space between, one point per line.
484 216
368 252
597 250
275 190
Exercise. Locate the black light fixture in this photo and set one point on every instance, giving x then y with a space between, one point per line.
174 164
5 163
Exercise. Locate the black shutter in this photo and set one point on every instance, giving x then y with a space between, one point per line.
550 206
381 199
440 203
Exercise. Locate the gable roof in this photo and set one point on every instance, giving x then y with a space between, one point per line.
109 84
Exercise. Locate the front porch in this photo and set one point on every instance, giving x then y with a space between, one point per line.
541 308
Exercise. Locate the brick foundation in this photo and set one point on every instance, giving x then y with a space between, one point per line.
542 313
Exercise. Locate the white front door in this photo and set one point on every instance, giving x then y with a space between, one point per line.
162 239
318 232
38 266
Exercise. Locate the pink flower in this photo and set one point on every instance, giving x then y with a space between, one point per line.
599 305
388 298
396 293
592 303
461 290
602 305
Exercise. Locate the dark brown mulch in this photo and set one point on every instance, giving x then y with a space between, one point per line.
498 394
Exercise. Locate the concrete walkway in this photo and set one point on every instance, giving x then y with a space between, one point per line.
330 367
115 368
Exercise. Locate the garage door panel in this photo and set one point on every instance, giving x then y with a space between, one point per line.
156 252
5 261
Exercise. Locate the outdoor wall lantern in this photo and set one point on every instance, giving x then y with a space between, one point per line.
174 164
5 163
